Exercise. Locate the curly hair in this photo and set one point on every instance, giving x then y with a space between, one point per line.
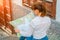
40 7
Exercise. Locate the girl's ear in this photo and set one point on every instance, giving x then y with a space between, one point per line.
39 14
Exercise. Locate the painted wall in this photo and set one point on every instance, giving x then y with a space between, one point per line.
58 11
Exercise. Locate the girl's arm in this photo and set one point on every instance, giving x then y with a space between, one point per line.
17 31
35 22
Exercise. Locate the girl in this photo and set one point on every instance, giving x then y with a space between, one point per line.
40 23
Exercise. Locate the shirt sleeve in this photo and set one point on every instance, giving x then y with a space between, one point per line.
20 27
35 22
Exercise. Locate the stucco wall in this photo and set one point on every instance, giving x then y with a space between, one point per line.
58 11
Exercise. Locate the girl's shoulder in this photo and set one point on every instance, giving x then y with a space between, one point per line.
37 18
42 18
47 19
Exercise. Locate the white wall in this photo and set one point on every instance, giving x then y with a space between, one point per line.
58 11
18 2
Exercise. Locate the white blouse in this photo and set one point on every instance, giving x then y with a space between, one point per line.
40 26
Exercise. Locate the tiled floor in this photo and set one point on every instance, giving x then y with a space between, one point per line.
54 32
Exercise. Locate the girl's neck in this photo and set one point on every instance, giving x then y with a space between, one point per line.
39 14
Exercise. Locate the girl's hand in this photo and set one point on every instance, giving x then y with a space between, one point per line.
16 30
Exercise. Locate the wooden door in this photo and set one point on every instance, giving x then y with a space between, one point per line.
51 8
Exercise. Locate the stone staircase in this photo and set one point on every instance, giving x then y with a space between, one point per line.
3 34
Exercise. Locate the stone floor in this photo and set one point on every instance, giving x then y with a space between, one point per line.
53 33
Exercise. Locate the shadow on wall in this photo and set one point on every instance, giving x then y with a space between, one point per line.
18 11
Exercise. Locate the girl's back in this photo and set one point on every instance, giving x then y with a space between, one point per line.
40 25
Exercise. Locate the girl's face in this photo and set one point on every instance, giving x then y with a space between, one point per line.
37 12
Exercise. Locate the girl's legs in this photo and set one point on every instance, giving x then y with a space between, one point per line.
29 38
45 38
22 38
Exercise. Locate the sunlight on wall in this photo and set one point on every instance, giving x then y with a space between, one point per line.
58 11
19 2
1 2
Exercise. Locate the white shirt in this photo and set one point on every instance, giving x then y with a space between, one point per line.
40 26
